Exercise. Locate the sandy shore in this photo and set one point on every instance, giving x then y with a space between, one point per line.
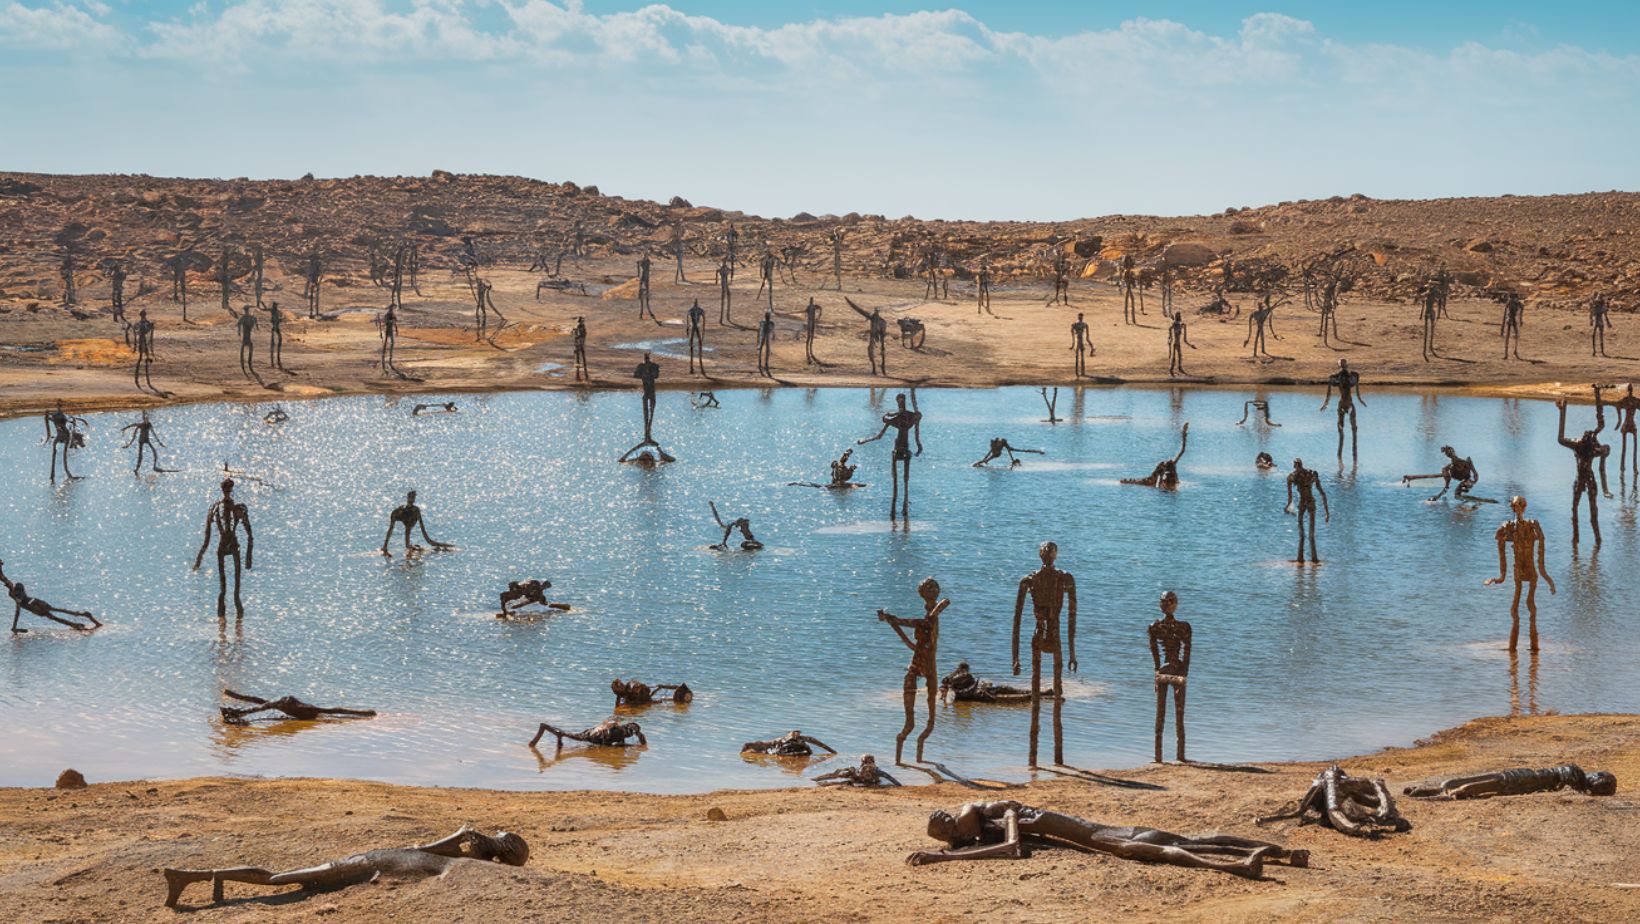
46 354
808 854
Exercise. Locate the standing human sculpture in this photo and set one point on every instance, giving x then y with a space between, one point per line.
765 343
1526 539
924 644
1587 450
409 516
1051 591
578 337
1599 323
1080 345
143 435
1177 339
1170 652
225 518
247 346
66 432
1348 384
1305 481
1513 310
695 331
907 425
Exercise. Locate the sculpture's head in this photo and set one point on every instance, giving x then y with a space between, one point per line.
1079 315
1343 365
1517 504
410 497
792 735
630 729
511 849
1170 602
962 667
1450 451
1601 783
928 589
868 761
1049 551
618 686
900 400
1298 465
942 826
227 487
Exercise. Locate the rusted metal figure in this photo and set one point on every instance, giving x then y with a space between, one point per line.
408 515
1166 473
868 775
1050 589
1461 470
610 733
924 644
637 693
1526 537
1170 652
21 601
962 686
1348 384
1304 480
288 706
225 518
1349 805
906 424
792 744
1518 782
1000 446
1588 450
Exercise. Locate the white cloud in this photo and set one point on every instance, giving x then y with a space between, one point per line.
331 30
57 27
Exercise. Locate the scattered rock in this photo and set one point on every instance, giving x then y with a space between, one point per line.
716 814
70 779
1479 245
1188 253
679 202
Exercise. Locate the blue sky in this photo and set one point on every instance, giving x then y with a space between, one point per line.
981 109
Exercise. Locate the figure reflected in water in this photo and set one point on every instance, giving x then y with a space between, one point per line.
275 417
867 775
1000 446
143 435
1260 405
924 642
21 601
1461 470
963 687
66 433
520 594
637 693
610 733
1526 538
288 706
1009 830
1587 451
409 516
1166 473
1170 637
419 861
1307 483
1348 385
907 425
748 542
225 518
1518 782
1349 805
1050 590
1053 404
792 744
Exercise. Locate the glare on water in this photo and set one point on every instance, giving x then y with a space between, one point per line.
1391 638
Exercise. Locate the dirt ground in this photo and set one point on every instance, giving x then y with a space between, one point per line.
47 355
812 855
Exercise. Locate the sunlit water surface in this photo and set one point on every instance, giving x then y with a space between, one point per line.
1392 638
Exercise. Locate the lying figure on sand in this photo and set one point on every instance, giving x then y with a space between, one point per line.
1518 783
422 860
986 830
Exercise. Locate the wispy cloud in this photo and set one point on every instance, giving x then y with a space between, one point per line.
57 27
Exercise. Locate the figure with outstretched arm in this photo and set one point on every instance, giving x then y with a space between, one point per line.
288 706
607 734
1166 473
1000 446
143 435
907 426
792 744
22 601
1586 450
924 643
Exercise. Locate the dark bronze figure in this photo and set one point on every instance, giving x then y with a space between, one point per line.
811 326
1170 637
868 775
143 335
1349 805
1461 470
1049 589
924 644
1080 345
748 542
637 693
792 744
1627 433
1008 830
765 342
22 601
143 435
1526 536
247 346
408 515
1306 480
1349 391
1513 310
643 289
421 860
520 594
1166 473
962 686
1177 340
226 517
276 337
579 336
1000 446
289 706
389 323
1599 323
1518 782
610 733
906 424
696 332
876 337
1260 405
66 432
1587 449
443 407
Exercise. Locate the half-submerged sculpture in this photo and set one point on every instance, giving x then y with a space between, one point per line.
962 686
22 601
1526 536
1166 473
868 774
290 706
1006 830
748 542
842 476
1049 589
1349 805
924 644
610 733
408 515
792 744
1518 782
1461 470
637 693
420 860
1000 446
520 594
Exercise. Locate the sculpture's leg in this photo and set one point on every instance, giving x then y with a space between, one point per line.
221 585
910 698
238 604
1531 610
1300 558
905 500
1594 508
1036 697
931 684
894 496
1178 721
1161 716
1577 495
1340 434
1058 706
1315 557
1514 617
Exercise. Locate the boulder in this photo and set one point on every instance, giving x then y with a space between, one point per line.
1188 253
70 779
679 202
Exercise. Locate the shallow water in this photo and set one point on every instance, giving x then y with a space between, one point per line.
1392 638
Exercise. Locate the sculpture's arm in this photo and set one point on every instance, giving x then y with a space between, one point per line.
1070 624
1326 510
1155 651
1561 435
1010 848
1328 399
207 541
1184 438
819 744
1542 568
1019 609
1185 655
389 537
873 439
250 540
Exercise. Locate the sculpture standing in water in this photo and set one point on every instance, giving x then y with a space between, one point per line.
1349 805
1000 446
1171 637
1527 538
1518 783
290 706
66 432
143 435
408 515
1349 391
906 424
225 517
1049 589
647 372
1586 448
1305 480
924 644
986 830
421 860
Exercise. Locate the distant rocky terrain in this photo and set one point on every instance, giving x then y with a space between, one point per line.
1554 249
